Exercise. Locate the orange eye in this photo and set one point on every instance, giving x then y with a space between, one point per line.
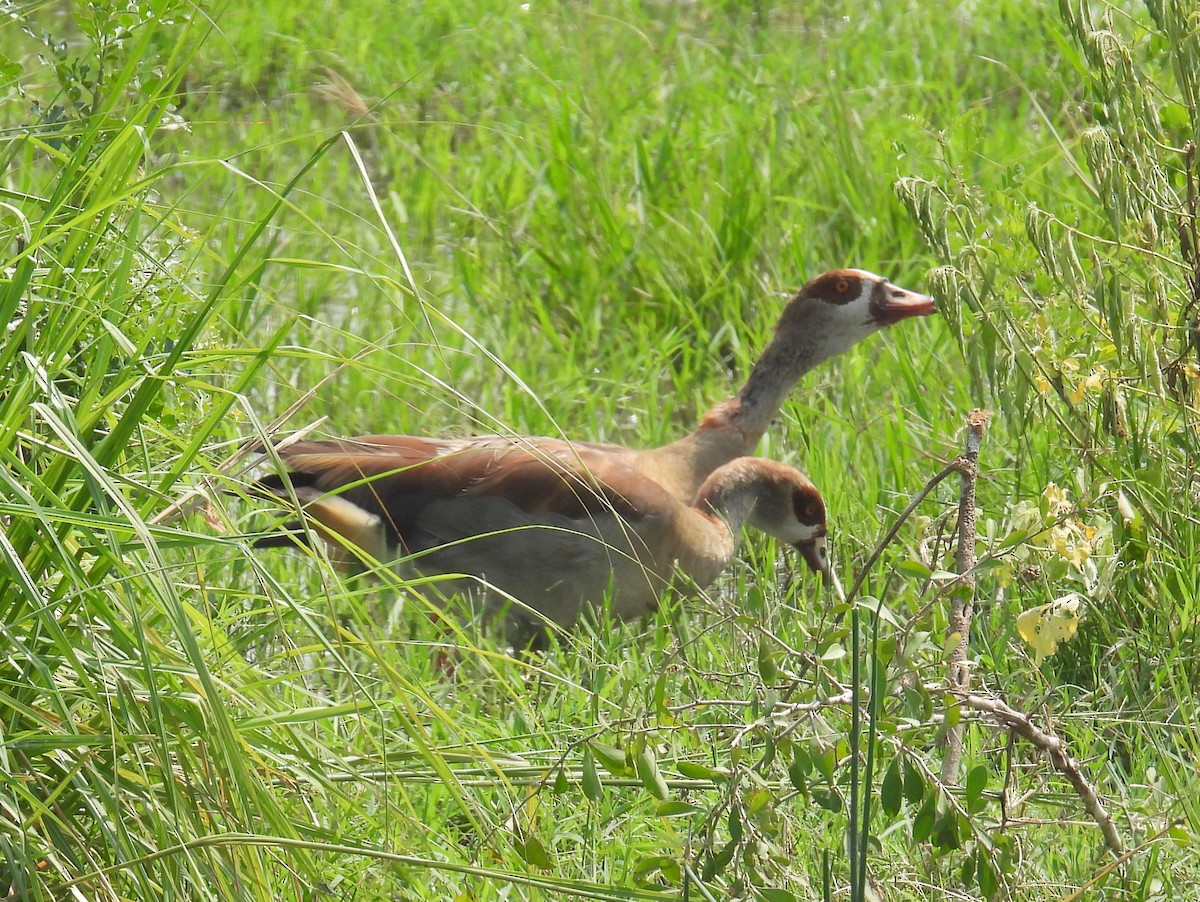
810 511
842 286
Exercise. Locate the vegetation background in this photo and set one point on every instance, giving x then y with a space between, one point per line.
229 220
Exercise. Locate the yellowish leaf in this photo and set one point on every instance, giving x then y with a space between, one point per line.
1046 625
1057 502
1129 514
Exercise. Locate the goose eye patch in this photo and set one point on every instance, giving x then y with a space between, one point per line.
806 508
835 287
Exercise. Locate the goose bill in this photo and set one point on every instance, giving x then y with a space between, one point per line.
892 304
815 553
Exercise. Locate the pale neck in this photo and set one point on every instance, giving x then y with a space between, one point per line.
733 428
785 360
731 494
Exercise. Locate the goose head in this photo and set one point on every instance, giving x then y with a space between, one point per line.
792 510
777 499
840 308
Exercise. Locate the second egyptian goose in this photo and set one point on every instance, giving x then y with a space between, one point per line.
554 534
830 314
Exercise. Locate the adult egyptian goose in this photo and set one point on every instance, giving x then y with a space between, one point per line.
534 535
829 315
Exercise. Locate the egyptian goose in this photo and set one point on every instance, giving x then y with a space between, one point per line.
554 535
829 315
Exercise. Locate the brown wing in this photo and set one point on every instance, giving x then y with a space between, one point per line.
397 478
421 447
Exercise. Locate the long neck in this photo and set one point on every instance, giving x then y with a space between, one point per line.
733 428
773 377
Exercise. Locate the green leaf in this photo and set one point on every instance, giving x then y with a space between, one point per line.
768 757
649 774
923 823
757 800
717 864
825 760
950 644
914 569
735 822
989 886
1173 116
674 808
945 835
593 789
991 563
777 895
891 792
10 69
533 852
752 601
668 867
886 648
914 784
797 774
1016 537
660 695
1181 836
560 782
802 760
872 606
827 799
966 873
701 772
953 712
613 759
835 652
975 784
767 668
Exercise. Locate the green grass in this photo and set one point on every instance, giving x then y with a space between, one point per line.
240 220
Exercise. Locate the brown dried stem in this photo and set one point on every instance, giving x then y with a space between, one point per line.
962 600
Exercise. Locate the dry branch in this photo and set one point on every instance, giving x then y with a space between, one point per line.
962 601
1056 750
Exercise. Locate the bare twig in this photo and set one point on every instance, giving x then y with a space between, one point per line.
955 466
1056 750
962 601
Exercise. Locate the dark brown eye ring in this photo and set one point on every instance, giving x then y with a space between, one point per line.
842 286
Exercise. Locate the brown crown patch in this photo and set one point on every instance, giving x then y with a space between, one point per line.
839 286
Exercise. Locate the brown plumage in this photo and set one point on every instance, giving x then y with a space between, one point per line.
391 495
556 536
